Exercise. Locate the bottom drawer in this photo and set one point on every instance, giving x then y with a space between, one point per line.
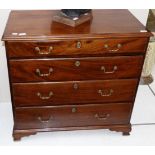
72 116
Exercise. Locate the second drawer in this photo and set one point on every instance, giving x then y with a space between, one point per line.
59 93
98 68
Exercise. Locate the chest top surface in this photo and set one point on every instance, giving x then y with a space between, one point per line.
38 25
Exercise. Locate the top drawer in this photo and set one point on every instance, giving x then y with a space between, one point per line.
75 47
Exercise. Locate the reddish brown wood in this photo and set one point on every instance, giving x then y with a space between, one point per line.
73 92
65 116
64 48
75 69
76 55
124 128
38 25
18 135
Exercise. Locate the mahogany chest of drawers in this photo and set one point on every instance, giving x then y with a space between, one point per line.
64 78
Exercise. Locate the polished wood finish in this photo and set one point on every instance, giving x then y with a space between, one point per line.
69 48
38 25
124 128
73 92
25 70
65 116
64 78
17 135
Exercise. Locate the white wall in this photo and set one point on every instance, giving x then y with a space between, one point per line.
140 14
4 84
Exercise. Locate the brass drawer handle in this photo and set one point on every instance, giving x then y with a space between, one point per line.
113 50
44 53
45 97
78 44
45 121
105 92
103 117
109 72
44 74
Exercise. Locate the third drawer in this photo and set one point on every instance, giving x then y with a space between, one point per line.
73 92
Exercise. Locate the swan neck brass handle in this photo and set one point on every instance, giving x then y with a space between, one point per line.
109 72
102 117
45 97
44 74
105 92
44 53
118 46
45 121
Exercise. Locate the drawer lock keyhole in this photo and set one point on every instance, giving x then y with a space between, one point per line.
78 44
74 110
77 63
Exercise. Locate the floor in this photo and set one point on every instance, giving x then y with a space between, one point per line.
143 121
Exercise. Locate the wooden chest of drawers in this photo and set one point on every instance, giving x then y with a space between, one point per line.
64 78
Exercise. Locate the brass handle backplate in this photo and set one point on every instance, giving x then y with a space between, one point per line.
45 121
105 92
118 46
109 72
44 74
101 117
45 97
44 53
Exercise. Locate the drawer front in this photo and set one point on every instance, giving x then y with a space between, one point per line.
75 69
60 93
75 47
72 116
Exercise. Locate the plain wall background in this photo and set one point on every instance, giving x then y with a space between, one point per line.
141 15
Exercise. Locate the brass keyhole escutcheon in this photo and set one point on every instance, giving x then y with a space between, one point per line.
78 44
75 86
106 46
74 110
77 63
119 45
